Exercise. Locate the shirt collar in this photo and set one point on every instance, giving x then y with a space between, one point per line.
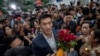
47 37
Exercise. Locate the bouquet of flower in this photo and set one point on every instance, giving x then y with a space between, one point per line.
66 40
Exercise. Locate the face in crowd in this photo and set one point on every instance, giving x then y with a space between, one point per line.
45 23
85 28
68 18
95 36
8 30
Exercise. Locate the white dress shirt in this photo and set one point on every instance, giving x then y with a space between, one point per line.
51 41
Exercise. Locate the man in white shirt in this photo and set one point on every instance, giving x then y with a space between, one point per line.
51 42
45 42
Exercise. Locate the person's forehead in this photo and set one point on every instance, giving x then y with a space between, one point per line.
7 27
85 25
46 19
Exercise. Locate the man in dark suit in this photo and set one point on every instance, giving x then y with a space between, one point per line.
45 42
67 20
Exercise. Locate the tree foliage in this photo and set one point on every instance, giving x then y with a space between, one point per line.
45 1
1 2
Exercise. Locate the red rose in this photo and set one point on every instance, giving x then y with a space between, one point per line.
66 36
73 37
66 39
61 35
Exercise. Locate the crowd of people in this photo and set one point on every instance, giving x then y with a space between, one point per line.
35 34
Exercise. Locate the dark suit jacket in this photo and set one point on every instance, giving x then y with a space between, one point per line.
40 47
71 26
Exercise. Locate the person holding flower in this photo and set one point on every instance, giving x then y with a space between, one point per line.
66 42
83 35
92 48
48 41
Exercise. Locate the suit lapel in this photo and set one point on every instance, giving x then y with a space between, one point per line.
46 44
56 37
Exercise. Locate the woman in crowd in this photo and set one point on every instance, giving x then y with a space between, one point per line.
8 32
83 35
78 28
85 31
10 40
36 29
92 48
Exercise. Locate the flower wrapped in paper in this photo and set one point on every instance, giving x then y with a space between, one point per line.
66 40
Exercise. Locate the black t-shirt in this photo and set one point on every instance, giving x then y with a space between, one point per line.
26 32
19 51
1 36
3 49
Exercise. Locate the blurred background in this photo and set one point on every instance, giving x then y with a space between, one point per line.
25 5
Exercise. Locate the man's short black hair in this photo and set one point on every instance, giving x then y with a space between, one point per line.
66 14
85 11
43 16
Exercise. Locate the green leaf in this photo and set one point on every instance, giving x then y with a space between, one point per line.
73 44
45 1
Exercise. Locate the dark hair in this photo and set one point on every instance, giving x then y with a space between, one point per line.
1 21
61 10
86 22
44 16
85 11
78 2
9 40
7 26
36 21
17 16
98 23
19 51
5 20
38 8
97 35
66 14
5 30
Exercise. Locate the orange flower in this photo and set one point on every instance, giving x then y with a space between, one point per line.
60 52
